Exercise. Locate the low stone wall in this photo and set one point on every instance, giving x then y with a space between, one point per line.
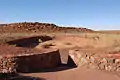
38 61
30 62
108 62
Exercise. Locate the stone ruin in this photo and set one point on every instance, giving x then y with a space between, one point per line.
23 58
29 62
19 56
109 61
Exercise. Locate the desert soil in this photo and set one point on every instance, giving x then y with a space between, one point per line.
92 42
76 74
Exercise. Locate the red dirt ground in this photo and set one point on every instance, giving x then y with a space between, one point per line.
76 74
95 44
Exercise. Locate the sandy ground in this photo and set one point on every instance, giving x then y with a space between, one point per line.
76 74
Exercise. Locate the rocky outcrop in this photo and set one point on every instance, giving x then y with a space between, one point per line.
108 61
38 27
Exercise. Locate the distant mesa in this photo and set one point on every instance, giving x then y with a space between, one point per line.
39 27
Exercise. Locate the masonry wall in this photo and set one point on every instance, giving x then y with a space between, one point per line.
38 62
29 63
106 61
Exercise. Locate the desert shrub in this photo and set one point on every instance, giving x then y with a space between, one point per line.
96 38
116 43
47 45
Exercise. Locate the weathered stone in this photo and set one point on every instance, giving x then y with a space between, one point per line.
93 66
78 58
35 62
108 62
118 68
101 66
82 62
30 62
104 61
7 65
75 56
117 61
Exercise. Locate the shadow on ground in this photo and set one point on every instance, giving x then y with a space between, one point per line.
29 42
62 67
18 77
59 68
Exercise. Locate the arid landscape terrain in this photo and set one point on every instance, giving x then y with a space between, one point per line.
43 51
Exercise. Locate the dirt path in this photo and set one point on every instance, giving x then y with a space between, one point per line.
75 74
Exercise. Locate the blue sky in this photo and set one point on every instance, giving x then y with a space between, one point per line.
93 14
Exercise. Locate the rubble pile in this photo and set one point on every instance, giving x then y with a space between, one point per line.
7 64
108 62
